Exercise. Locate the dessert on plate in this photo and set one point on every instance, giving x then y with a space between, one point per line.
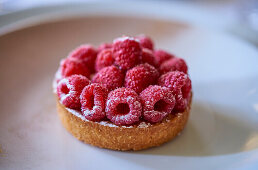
124 95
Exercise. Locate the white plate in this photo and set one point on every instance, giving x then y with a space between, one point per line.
222 132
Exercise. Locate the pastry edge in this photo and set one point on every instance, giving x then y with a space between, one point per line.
122 138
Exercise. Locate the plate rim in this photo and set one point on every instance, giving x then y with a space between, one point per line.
171 11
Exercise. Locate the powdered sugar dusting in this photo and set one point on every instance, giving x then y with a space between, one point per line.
144 125
125 38
58 76
77 113
106 123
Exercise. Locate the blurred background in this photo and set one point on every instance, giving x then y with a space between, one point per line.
237 17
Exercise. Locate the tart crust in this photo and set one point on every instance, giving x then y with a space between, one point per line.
121 137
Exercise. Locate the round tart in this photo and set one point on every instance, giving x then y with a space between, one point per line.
123 96
105 134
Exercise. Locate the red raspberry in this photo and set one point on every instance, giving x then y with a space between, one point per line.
145 41
123 106
69 90
93 100
157 103
174 64
148 57
87 54
71 66
104 46
110 77
162 56
126 52
180 84
140 77
104 59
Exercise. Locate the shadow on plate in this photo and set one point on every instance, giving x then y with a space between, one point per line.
218 135
209 132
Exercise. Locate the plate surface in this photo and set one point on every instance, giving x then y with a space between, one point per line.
223 128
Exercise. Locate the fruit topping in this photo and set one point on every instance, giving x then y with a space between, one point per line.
87 54
126 52
162 56
180 84
110 77
140 77
174 64
123 106
157 103
145 42
104 59
70 66
69 90
93 100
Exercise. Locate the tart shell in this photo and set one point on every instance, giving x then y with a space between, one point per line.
121 137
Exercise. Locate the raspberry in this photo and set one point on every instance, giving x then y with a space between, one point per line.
69 90
123 106
104 46
145 41
93 100
126 52
180 84
87 54
157 103
104 59
71 66
148 57
162 56
140 77
110 77
174 64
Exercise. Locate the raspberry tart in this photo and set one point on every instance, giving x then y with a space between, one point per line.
124 95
